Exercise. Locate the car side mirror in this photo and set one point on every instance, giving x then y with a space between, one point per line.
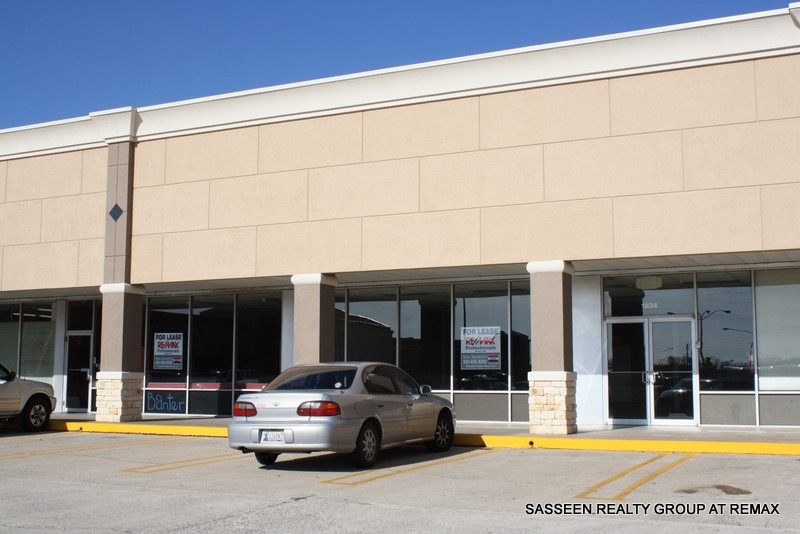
11 376
425 390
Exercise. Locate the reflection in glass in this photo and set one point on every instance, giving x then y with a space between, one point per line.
258 339
650 295
372 325
778 326
9 335
168 328
725 331
520 334
480 336
37 345
425 334
672 369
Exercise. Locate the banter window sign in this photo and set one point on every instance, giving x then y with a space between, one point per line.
480 347
168 351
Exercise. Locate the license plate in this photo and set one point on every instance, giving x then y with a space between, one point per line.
272 436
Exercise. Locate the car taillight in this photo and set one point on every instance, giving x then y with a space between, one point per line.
243 409
318 408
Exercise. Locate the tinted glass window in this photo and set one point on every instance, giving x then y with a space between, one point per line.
314 378
378 380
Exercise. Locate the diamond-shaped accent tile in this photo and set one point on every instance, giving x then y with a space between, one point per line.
116 212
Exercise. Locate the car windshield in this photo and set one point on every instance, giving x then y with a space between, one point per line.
314 378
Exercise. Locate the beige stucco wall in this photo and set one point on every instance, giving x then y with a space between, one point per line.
52 223
700 160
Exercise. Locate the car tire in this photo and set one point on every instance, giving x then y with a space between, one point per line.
443 435
266 458
368 445
36 415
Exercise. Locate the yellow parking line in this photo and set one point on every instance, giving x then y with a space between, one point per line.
391 473
49 452
191 462
627 491
585 494
651 476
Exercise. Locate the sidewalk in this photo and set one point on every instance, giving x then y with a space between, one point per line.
720 440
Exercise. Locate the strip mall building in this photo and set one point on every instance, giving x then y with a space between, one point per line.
596 232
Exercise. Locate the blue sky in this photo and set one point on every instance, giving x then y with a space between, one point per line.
61 59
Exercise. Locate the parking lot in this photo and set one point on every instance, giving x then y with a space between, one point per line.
83 482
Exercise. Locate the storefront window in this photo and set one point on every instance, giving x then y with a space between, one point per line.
167 343
372 325
258 339
425 334
777 296
725 331
9 334
212 342
520 334
37 345
480 336
648 295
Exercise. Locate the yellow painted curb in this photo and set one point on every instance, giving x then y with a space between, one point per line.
631 445
139 428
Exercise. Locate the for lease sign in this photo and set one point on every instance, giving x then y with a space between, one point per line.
168 350
480 347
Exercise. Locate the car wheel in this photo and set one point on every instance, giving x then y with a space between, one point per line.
368 444
36 415
266 458
443 435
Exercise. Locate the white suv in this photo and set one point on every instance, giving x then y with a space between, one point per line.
27 401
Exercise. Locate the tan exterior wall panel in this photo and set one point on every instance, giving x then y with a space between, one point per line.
302 144
485 178
777 87
49 265
212 155
422 129
361 190
743 155
3 179
574 230
781 216
20 222
44 177
73 218
687 98
545 115
311 247
688 223
629 165
90 262
422 240
171 208
209 255
94 178
150 169
146 258
260 199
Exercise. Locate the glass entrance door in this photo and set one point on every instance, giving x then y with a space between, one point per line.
79 371
651 371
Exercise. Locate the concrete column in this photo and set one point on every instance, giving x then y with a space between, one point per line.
314 317
552 380
121 376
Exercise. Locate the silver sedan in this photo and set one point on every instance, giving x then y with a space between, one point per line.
349 407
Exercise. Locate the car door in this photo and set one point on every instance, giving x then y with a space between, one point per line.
9 394
420 421
390 406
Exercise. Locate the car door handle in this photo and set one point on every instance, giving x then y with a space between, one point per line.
380 405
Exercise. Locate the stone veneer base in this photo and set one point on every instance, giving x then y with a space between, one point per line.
119 397
551 402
